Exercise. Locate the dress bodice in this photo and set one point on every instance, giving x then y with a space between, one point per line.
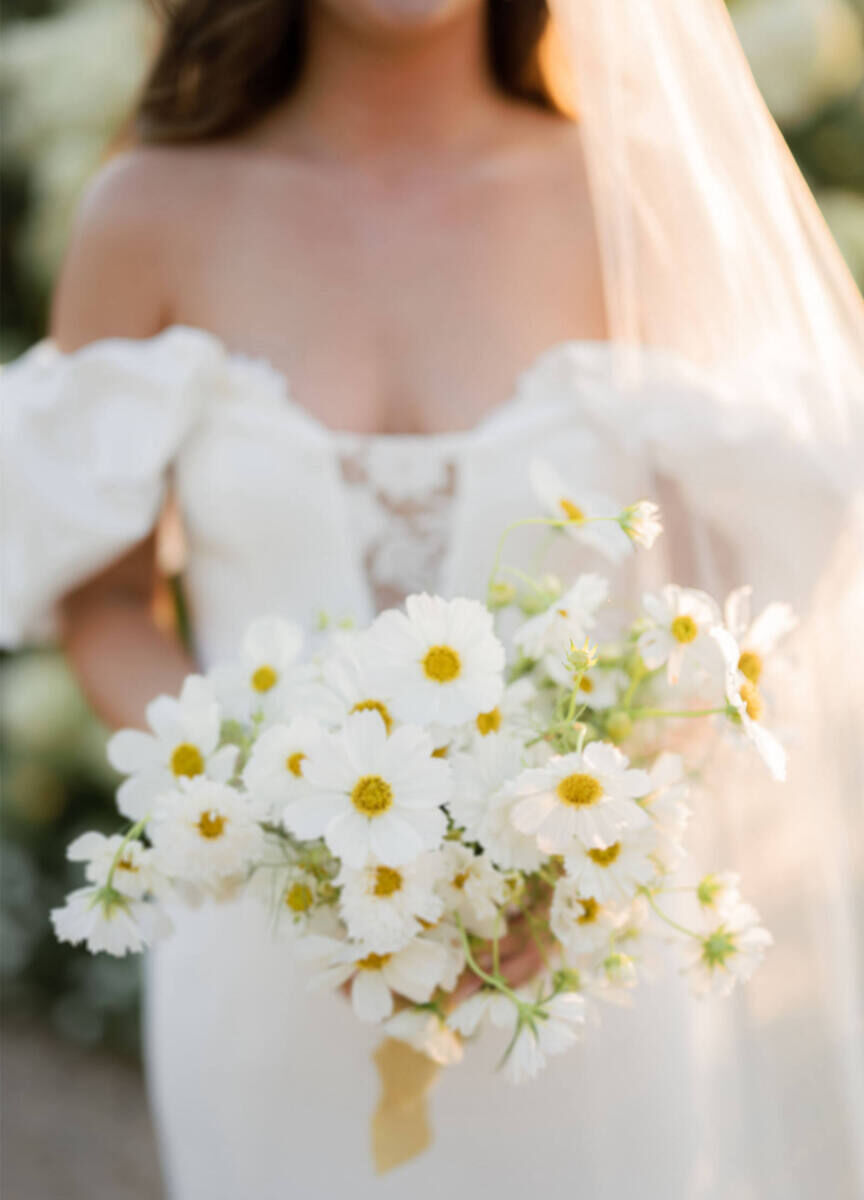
282 513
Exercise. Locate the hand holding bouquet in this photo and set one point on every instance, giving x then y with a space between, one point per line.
434 810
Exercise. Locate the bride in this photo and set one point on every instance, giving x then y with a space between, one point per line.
365 259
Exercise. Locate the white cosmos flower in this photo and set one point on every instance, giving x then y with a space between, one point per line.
599 688
758 637
106 921
512 716
414 972
478 776
373 797
383 907
472 888
567 621
183 745
274 772
581 924
718 895
507 846
426 1032
586 798
681 623
265 679
134 876
488 1004
729 952
614 872
581 508
744 697
205 832
439 660
554 1032
666 805
641 522
350 676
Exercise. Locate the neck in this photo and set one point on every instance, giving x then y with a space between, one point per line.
377 95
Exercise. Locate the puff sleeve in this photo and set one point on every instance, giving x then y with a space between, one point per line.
86 441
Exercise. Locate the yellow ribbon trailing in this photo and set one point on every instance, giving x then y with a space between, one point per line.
400 1126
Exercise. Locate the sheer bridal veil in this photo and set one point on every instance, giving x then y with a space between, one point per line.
714 251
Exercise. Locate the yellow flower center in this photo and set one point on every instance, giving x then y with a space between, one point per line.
372 795
373 962
684 629
572 511
750 666
752 701
606 857
441 752
442 664
126 864
294 763
586 685
590 910
299 897
187 760
460 880
387 881
375 706
579 791
489 722
264 679
211 825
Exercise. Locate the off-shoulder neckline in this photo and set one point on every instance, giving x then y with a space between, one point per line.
590 350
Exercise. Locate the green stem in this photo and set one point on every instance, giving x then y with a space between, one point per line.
494 981
646 713
664 917
131 835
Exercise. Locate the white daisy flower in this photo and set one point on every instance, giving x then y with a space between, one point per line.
507 846
666 805
414 972
511 716
718 895
134 875
567 621
426 1032
384 907
746 701
599 688
446 935
581 509
555 1031
184 744
274 773
265 676
581 924
373 797
440 660
756 638
205 832
585 799
104 920
728 953
614 872
487 1004
472 889
351 677
681 623
478 776
641 522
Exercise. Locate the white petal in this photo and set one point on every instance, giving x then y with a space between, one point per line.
371 997
132 750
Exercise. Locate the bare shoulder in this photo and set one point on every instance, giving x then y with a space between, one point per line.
114 280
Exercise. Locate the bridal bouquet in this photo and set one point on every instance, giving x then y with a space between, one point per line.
430 803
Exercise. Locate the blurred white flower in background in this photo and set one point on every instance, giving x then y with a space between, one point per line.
68 82
804 53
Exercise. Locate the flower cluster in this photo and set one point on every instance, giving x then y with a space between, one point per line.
460 830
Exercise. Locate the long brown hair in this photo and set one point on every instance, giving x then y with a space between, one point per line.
223 63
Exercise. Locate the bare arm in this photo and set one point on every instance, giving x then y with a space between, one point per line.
112 285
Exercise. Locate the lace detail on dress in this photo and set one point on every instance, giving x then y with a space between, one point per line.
400 500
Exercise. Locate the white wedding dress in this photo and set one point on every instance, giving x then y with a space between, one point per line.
262 1090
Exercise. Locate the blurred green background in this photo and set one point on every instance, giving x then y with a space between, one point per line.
69 71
